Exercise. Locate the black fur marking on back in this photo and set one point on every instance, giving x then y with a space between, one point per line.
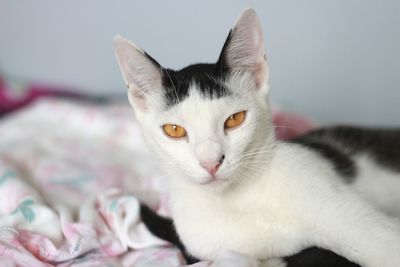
382 145
207 78
311 257
342 162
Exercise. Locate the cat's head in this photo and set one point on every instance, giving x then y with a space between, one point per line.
208 123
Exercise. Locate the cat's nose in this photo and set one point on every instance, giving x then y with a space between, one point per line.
212 166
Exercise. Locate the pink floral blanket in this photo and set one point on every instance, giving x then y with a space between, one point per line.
71 178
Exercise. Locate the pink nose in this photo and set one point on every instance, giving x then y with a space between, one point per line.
212 166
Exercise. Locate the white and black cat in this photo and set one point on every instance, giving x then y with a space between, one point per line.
233 186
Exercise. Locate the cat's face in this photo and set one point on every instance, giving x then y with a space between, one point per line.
205 122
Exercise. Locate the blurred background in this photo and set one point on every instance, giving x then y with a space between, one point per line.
333 61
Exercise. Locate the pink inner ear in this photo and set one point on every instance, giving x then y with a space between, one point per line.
140 102
126 53
261 75
141 74
246 49
256 53
137 99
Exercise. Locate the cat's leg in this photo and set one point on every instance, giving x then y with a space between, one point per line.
310 257
352 228
229 258
164 228
274 262
316 257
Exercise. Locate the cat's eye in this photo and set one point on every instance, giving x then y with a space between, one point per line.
174 131
235 120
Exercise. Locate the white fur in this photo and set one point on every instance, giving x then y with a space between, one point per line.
270 199
296 203
378 185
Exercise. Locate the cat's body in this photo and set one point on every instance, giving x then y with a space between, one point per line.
233 186
293 212
367 160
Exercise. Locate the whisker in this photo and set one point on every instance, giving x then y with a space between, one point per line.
257 153
173 86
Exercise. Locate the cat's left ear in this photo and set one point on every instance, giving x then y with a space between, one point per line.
244 51
142 74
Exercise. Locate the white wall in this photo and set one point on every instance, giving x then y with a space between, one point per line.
335 61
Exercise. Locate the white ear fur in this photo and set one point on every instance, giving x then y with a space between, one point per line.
245 50
141 74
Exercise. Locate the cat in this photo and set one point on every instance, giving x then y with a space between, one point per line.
234 186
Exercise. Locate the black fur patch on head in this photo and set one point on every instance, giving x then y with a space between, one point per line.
207 78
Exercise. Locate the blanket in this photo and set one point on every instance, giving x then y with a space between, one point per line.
72 176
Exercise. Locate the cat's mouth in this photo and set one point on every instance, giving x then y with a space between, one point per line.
214 180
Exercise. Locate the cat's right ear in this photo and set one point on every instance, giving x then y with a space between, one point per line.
142 74
244 52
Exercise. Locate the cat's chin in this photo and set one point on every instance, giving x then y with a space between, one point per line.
214 183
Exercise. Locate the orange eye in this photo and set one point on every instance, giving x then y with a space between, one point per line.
174 131
235 120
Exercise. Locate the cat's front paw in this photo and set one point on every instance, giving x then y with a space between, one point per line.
275 262
229 258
